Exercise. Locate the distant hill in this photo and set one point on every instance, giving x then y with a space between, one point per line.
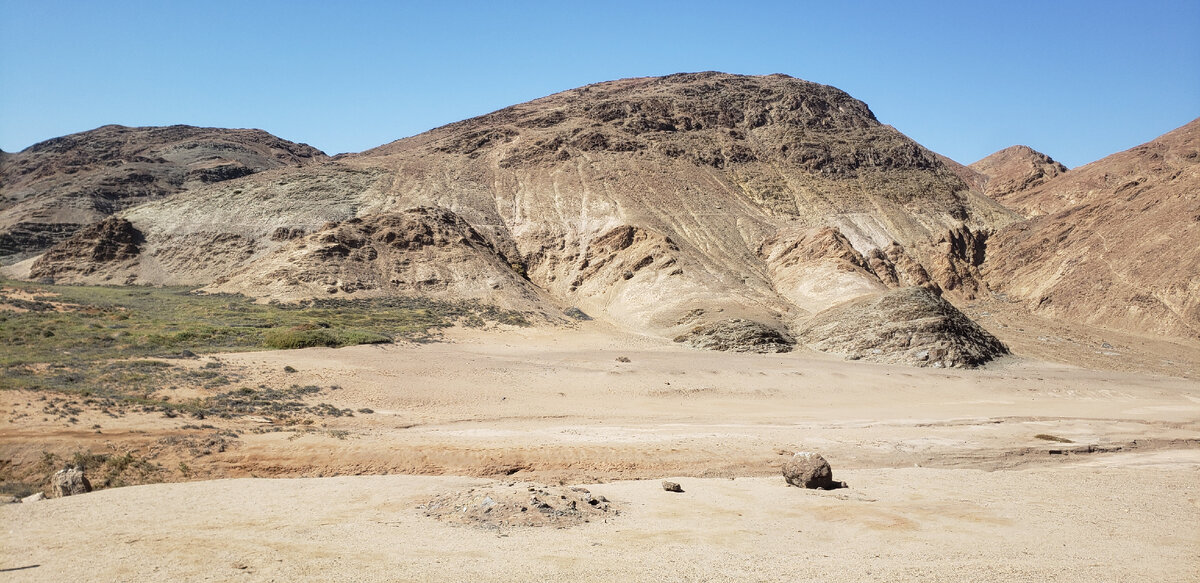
1012 172
1117 242
52 189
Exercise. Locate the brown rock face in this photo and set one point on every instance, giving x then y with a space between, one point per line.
1117 243
955 260
53 188
113 241
809 470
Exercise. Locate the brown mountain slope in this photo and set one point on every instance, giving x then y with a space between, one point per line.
715 163
1123 248
970 177
1008 175
53 188
659 204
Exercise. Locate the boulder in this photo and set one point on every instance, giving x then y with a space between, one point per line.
70 482
809 470
35 497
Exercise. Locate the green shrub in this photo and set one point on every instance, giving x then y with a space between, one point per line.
287 338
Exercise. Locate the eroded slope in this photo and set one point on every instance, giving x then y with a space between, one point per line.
658 204
53 188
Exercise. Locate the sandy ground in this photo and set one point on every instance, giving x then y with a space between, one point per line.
948 477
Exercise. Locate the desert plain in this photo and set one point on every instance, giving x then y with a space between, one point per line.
1024 470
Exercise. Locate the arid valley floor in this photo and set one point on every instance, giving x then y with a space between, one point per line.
1020 471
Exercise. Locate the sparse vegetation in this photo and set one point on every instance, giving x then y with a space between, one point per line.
74 324
104 470
1054 438
117 350
109 347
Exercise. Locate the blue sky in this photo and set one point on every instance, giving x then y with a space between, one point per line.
1076 80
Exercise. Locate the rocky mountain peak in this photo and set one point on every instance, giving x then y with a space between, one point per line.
1015 169
711 119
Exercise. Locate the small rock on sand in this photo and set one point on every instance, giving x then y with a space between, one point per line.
809 470
672 486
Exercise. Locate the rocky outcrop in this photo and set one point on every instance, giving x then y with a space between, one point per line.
425 250
103 246
954 262
912 326
737 335
821 268
69 482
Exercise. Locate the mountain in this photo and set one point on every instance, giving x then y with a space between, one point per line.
52 189
1008 175
678 206
1116 243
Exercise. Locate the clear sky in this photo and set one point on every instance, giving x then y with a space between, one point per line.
1076 80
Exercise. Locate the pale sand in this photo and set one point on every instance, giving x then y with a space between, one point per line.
989 502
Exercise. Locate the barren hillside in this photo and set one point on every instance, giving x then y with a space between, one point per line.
1119 246
53 188
1008 175
660 204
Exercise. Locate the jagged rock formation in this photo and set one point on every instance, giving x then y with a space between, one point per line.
956 258
1117 243
912 326
820 268
53 188
106 246
1006 174
426 251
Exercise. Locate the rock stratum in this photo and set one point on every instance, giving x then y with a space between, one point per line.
727 211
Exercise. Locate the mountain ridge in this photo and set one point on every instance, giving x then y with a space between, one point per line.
55 187
1115 243
663 205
